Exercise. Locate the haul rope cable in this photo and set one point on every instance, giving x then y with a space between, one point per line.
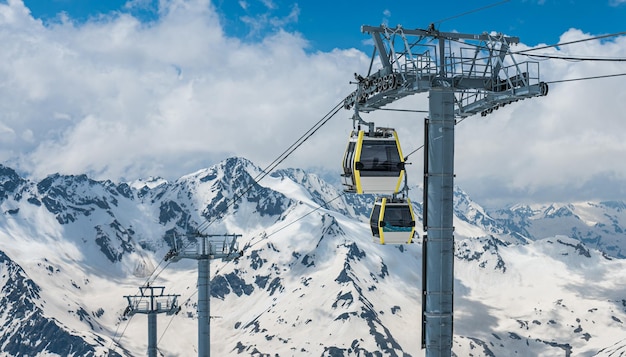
273 165
588 78
524 52
251 244
207 223
325 119
322 122
471 11
577 58
572 42
204 225
283 156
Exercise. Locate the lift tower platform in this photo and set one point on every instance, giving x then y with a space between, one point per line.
464 75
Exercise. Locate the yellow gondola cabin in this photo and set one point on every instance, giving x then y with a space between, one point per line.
373 162
392 221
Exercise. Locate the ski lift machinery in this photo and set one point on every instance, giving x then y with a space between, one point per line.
464 75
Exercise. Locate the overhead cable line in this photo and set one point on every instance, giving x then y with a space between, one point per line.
282 157
422 146
296 220
524 52
413 152
587 78
123 331
252 244
571 42
206 224
471 11
174 315
578 59
267 170
404 110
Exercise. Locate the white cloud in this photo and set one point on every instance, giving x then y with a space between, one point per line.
119 99
554 147
269 18
386 16
138 4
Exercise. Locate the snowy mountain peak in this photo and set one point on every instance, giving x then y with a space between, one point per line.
534 280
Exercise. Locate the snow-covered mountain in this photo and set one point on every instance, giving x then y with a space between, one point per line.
530 280
600 225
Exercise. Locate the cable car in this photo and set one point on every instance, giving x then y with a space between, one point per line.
373 162
392 221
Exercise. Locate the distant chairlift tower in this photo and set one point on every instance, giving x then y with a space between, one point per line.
203 250
151 302
464 75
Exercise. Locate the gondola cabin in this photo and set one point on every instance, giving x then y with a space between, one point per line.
392 221
373 162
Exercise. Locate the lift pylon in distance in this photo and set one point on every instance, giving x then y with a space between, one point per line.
373 162
151 302
392 221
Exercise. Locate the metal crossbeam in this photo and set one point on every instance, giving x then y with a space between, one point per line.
152 301
479 69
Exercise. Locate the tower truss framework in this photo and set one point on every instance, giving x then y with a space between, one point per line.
464 75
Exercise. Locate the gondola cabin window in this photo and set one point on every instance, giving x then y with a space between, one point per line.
398 219
379 158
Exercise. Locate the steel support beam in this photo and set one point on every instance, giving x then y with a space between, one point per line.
204 306
458 85
203 251
152 334
439 255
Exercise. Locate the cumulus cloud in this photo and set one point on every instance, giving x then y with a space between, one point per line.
122 99
554 147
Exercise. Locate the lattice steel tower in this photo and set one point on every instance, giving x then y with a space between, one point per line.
464 74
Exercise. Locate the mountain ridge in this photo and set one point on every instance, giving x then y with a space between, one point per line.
308 261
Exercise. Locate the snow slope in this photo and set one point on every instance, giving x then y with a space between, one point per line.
310 281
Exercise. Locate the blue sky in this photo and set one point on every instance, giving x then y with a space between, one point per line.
143 88
330 24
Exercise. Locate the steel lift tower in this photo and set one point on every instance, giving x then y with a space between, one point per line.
463 74
151 302
205 248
